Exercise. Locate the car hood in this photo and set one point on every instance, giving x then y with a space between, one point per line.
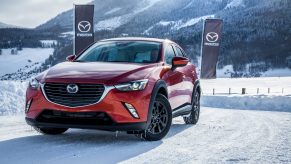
97 72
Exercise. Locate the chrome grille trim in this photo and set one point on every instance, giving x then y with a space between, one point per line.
107 89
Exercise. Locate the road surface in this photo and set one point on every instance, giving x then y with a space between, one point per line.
221 136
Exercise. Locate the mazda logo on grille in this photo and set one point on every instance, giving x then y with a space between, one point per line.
212 37
84 26
72 88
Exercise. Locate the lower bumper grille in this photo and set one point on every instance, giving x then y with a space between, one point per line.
77 118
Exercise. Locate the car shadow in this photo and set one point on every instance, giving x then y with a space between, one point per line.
79 146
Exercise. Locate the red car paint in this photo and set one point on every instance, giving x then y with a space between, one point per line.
179 82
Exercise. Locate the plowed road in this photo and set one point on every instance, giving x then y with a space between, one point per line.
221 136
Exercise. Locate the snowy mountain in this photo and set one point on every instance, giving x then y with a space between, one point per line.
4 25
254 30
256 33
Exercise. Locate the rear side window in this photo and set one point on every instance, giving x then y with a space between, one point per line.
179 52
169 54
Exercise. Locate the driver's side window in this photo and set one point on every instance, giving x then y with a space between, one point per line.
169 54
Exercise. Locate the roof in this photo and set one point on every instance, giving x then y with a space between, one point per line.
137 39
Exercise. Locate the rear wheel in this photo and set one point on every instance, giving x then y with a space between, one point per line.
51 131
161 120
195 112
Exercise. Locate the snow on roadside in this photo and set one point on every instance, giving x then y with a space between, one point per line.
248 102
12 97
273 101
222 85
227 70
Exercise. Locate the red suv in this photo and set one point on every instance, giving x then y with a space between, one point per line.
126 84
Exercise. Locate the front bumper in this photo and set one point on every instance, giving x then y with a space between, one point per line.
115 127
112 104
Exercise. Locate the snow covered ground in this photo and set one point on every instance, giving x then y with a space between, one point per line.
222 85
221 136
12 97
25 60
260 133
257 93
11 92
226 71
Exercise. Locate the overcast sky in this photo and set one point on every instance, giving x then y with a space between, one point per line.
31 13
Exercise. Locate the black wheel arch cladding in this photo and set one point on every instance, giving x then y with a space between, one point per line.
160 85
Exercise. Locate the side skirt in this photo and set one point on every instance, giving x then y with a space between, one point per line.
182 110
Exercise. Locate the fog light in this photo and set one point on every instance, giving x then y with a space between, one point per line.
28 104
131 110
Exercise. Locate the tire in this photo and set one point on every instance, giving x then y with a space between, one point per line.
51 131
195 112
160 122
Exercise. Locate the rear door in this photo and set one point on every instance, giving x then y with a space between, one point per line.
187 76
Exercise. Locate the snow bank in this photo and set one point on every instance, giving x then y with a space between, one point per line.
222 85
249 102
12 97
284 72
227 70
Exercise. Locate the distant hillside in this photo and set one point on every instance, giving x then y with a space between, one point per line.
4 25
254 30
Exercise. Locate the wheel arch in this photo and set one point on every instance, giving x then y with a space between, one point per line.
159 88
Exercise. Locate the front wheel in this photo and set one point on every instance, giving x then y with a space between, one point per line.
195 112
51 131
161 120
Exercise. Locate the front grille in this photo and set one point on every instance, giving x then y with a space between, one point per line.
74 118
87 94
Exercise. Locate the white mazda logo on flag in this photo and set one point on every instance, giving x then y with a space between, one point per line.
84 26
212 37
72 88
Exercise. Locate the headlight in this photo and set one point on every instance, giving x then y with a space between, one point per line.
133 85
34 84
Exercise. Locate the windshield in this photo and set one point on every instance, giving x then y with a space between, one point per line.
122 51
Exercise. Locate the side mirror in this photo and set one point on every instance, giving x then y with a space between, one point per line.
71 58
179 62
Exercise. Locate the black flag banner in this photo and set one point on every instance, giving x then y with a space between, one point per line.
83 27
210 47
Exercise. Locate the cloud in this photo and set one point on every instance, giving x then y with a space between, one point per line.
31 13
